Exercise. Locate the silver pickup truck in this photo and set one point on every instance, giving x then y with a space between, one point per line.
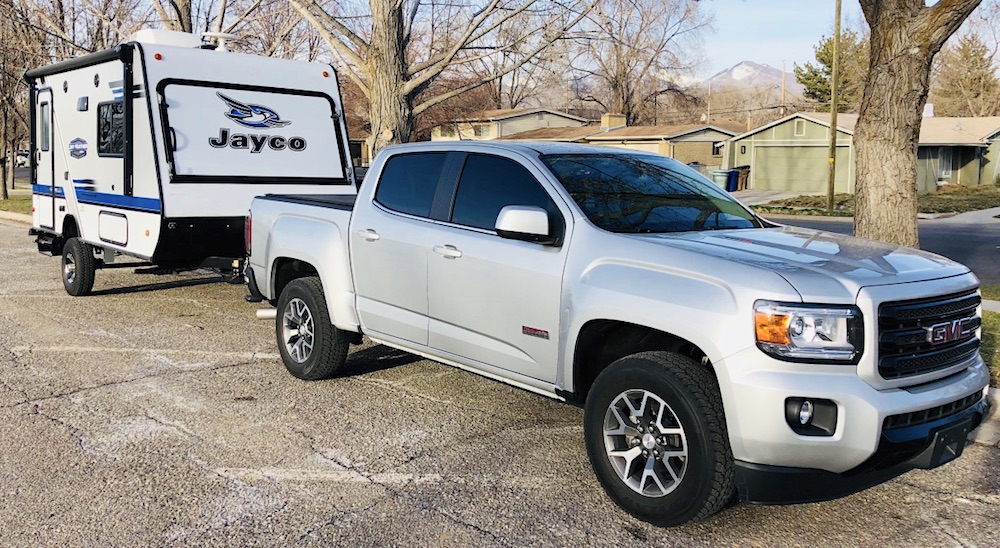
716 354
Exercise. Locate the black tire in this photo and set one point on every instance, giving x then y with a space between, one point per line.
78 267
706 473
302 306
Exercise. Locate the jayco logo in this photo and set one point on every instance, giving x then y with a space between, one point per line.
258 117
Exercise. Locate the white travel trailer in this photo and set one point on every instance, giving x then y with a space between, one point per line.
154 149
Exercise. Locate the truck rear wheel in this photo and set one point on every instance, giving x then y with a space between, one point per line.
656 437
78 267
310 346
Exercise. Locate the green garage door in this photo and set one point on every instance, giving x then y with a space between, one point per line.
803 169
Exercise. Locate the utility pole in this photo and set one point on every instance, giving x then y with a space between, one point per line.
834 88
782 110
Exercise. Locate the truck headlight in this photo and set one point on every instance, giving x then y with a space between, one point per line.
809 333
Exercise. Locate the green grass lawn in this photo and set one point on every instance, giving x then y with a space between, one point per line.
949 199
990 291
989 350
17 204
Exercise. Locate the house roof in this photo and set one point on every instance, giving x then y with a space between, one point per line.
663 132
934 130
554 134
504 114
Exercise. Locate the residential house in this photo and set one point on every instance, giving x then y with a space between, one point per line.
689 143
700 144
791 153
496 124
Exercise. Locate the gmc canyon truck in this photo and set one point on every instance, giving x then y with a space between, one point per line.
716 354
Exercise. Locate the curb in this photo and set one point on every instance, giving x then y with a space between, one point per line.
16 217
988 432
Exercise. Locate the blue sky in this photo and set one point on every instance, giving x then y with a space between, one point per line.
769 31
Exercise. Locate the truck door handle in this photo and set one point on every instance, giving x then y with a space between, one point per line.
369 235
448 251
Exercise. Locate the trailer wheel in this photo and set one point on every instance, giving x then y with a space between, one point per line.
656 437
310 346
78 267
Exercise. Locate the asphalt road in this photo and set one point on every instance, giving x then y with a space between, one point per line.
974 245
157 412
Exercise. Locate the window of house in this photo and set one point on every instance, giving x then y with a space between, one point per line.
490 183
717 149
800 127
540 116
448 131
111 128
46 136
481 130
945 165
409 181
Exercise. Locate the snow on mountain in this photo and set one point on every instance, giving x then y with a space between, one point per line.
748 74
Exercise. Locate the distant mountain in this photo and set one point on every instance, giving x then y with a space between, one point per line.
748 74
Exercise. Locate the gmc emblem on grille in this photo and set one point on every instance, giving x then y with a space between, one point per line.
948 331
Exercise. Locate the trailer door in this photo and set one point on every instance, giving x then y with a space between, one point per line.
44 188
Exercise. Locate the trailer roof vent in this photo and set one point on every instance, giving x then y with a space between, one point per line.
167 38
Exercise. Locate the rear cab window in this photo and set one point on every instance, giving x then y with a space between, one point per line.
408 182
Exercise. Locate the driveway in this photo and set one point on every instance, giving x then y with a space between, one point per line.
158 412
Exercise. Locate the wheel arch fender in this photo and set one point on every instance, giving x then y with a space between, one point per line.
313 246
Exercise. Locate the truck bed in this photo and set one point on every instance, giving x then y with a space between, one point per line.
343 202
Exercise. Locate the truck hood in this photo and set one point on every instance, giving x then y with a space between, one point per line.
819 265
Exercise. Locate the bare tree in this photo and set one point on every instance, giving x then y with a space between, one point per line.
905 37
631 49
379 47
513 89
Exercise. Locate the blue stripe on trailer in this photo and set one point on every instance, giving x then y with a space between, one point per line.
151 205
46 190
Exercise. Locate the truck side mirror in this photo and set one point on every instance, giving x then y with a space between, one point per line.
525 223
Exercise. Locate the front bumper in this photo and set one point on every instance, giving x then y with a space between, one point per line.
899 450
756 387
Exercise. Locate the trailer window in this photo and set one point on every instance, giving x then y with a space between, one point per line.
46 126
111 128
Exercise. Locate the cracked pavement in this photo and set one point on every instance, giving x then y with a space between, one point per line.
158 412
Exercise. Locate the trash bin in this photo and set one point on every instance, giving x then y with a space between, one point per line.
732 179
744 175
719 177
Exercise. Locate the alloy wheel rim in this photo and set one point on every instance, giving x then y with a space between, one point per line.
69 268
297 330
645 443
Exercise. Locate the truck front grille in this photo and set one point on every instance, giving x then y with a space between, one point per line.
927 335
925 416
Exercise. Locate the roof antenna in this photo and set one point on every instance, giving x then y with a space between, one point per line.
221 40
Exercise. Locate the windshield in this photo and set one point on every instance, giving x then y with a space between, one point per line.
641 193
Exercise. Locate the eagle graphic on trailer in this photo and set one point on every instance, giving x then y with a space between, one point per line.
155 148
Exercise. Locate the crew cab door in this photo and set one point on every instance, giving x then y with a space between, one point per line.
389 247
493 300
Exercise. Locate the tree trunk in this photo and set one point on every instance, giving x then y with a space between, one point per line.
905 36
390 108
886 137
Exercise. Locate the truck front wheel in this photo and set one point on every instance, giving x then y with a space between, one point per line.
78 267
656 437
310 346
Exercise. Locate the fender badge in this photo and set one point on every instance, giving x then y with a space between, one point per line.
532 332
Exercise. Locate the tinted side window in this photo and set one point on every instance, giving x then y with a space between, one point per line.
488 184
408 182
111 128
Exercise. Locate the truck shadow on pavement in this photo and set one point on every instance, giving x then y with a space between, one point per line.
376 358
